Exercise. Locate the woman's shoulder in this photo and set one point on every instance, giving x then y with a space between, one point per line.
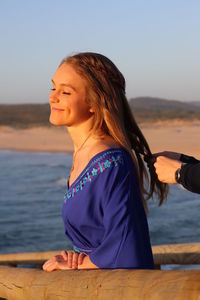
111 157
108 153
109 165
101 146
106 149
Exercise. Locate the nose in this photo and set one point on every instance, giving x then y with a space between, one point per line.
53 97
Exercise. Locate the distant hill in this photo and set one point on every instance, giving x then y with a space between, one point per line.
196 103
149 108
145 109
24 115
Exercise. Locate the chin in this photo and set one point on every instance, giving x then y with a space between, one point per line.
56 122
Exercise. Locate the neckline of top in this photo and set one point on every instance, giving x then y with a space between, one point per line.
110 150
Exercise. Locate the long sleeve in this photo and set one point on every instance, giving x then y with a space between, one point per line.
190 177
188 159
125 243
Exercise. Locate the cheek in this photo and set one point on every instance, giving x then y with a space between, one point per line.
83 113
83 108
67 112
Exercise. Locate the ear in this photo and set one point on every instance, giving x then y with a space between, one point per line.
91 110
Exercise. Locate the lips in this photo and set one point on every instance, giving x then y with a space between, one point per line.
57 109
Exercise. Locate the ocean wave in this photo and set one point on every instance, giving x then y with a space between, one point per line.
55 165
61 182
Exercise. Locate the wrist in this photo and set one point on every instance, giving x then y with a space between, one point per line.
178 174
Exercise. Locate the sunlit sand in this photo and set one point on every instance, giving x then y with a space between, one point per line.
177 136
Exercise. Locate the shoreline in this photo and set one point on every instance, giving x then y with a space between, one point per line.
183 137
35 139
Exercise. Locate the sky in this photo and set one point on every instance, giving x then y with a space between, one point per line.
154 43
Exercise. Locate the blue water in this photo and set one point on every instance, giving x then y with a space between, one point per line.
32 187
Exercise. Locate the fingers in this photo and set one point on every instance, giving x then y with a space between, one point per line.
159 159
67 260
64 255
55 263
80 258
73 258
166 168
158 165
50 265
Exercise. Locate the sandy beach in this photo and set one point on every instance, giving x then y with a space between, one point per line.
177 136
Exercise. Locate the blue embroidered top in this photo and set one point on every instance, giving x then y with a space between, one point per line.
104 216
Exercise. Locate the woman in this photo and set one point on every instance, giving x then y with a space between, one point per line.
104 208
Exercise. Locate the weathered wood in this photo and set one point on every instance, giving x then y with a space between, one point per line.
163 254
27 257
182 254
32 284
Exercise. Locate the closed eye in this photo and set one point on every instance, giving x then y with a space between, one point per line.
66 93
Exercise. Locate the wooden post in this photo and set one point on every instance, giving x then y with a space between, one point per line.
118 284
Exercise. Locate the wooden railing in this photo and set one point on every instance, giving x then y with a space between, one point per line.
28 283
182 254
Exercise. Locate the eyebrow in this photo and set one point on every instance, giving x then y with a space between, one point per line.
65 84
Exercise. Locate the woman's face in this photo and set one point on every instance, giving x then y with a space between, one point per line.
68 98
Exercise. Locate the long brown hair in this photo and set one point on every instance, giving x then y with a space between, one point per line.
105 90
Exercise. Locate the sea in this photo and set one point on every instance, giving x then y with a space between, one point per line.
32 187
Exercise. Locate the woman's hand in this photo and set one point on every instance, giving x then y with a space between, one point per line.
73 258
66 261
